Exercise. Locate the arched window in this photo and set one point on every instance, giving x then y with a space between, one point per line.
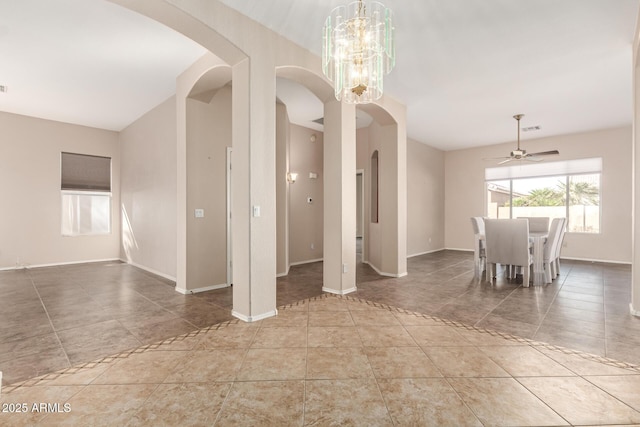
374 187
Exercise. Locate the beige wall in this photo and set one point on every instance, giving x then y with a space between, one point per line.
208 136
635 153
283 131
425 198
380 247
362 149
359 203
148 190
149 185
374 238
30 225
339 157
465 191
425 194
306 219
363 164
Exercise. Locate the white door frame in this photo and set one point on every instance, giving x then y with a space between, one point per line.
229 241
363 216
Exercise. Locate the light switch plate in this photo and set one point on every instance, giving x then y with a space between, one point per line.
199 213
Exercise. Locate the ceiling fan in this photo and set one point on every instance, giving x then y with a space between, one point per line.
520 154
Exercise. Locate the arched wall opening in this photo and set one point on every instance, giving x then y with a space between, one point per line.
382 157
254 64
208 144
203 98
379 128
299 154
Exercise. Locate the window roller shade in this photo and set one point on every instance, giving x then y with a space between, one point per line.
85 172
532 170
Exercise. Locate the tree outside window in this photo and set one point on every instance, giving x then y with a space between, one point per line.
575 197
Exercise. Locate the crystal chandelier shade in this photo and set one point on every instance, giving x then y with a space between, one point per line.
358 50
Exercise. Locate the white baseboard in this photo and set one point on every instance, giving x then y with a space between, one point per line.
57 264
286 273
306 262
382 273
457 249
604 261
150 270
198 290
337 292
425 253
254 318
633 311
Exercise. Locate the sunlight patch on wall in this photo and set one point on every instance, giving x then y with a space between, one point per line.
128 237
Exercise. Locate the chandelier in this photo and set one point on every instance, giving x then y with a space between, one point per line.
358 50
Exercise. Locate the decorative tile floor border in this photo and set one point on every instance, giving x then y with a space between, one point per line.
43 379
509 337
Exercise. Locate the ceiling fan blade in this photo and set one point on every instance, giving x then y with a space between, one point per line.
544 153
532 158
497 158
506 161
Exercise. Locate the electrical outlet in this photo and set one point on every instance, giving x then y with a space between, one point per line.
313 246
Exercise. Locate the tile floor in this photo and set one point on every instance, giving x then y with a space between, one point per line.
53 318
334 360
586 308
68 316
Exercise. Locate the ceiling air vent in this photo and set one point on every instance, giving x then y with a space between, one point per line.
3 88
531 128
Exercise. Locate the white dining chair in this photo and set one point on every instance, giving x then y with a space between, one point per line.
507 243
551 249
479 255
556 262
537 224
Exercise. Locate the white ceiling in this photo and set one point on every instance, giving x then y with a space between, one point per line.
464 68
87 62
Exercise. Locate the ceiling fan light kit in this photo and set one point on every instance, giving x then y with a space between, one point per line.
520 154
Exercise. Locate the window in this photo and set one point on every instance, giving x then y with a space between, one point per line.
86 194
569 189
